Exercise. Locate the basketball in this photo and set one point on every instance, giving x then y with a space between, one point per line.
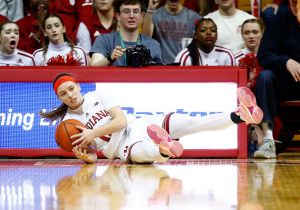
64 131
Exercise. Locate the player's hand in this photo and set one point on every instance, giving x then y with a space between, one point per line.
84 137
294 68
84 155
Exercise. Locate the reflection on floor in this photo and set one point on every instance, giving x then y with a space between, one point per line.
179 184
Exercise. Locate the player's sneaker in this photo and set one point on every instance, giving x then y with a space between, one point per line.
266 150
248 109
161 137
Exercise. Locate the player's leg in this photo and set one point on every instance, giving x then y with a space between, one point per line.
148 152
179 125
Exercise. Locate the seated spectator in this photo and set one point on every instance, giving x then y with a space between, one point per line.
202 51
252 31
10 55
58 50
103 19
13 10
76 15
109 49
31 33
279 56
172 25
229 20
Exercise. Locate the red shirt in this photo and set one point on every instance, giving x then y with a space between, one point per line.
2 19
72 12
31 37
97 28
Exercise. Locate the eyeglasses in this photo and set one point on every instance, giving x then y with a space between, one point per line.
128 12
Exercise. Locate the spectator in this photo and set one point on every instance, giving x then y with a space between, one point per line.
76 15
31 33
10 55
12 9
58 49
171 24
109 49
229 20
202 51
279 55
252 31
103 19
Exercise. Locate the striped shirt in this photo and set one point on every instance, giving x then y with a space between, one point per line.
18 58
219 56
241 54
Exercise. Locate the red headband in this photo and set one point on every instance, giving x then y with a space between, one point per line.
62 80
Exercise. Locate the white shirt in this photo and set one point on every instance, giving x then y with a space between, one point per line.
219 56
229 29
18 58
55 50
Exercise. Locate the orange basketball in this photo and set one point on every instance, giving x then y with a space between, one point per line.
64 131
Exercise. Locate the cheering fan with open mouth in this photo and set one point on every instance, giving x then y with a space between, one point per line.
9 54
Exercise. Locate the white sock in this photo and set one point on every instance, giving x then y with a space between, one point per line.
182 125
268 133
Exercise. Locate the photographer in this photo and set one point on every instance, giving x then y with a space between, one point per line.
126 47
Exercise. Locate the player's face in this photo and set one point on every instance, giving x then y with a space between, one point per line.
54 30
130 17
103 5
206 35
9 37
69 93
252 35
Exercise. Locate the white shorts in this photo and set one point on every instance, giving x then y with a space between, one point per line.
137 132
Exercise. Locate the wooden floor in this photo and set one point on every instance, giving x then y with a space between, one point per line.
183 184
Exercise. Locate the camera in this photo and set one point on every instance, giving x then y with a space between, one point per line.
138 56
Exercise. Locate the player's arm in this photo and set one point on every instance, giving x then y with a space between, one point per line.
84 155
117 123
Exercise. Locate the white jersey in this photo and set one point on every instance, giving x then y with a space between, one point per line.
94 113
229 29
241 54
56 50
219 56
18 58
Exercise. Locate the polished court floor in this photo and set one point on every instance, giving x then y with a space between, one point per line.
179 184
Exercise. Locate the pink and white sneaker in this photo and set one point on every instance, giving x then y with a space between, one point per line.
161 137
248 109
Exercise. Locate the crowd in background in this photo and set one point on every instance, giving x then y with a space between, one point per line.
186 33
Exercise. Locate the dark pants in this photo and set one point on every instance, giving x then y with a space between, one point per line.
271 90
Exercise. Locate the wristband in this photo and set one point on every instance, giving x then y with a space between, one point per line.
109 59
150 10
